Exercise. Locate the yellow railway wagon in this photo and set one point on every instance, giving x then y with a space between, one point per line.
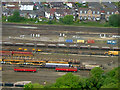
35 61
32 62
112 53
7 61
12 60
58 62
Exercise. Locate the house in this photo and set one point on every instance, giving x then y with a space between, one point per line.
10 5
32 14
89 14
58 13
109 12
96 14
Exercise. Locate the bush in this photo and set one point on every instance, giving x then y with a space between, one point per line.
51 22
114 20
68 19
16 17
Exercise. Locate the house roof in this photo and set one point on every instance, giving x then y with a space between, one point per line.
34 12
63 12
57 4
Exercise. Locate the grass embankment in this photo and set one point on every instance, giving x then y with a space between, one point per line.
82 24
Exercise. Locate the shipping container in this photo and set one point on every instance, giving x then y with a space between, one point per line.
90 41
112 42
69 40
80 41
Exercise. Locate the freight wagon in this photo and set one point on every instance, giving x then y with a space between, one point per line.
53 65
91 66
68 69
15 52
62 62
20 69
112 53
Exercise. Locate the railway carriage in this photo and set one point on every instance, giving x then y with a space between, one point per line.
73 46
94 47
19 44
62 45
52 45
84 47
53 65
8 44
41 45
29 44
105 48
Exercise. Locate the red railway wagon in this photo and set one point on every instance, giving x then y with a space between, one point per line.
70 69
16 52
5 52
19 69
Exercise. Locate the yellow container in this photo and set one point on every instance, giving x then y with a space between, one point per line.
25 49
33 49
80 41
20 48
39 50
0 68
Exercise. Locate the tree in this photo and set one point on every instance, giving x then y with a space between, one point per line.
32 86
28 86
68 19
16 17
111 85
114 20
96 78
67 81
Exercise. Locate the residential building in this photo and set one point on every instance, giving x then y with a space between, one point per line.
89 14
96 14
109 12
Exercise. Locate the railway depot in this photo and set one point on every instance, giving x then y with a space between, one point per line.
72 52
